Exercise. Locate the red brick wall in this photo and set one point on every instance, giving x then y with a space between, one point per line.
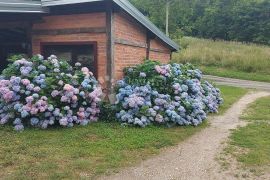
72 21
75 21
126 56
158 51
125 28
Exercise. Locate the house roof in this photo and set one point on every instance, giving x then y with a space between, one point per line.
41 6
21 6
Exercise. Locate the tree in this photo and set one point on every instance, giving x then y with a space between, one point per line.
241 20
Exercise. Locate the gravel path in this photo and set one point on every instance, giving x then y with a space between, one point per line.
239 83
194 158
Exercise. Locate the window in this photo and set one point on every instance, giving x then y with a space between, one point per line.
75 52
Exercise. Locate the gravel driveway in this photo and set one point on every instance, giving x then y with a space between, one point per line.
194 158
239 83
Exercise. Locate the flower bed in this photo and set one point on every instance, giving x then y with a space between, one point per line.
41 93
171 94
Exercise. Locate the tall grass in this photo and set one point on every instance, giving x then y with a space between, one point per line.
225 54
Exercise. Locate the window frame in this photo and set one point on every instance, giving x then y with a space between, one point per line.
90 43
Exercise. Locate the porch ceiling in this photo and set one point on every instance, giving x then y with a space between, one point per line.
13 34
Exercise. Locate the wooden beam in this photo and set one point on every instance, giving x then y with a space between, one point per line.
110 46
22 17
148 44
160 51
68 31
130 43
17 31
7 34
4 25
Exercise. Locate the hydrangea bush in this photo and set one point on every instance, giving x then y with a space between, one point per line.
171 94
44 92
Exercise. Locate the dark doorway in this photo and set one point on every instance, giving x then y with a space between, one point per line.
13 41
73 52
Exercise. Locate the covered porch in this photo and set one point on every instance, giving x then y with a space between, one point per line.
15 36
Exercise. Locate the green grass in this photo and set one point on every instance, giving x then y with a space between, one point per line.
252 141
259 110
81 151
85 152
230 96
228 59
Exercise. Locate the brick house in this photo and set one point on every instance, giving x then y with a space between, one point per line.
104 35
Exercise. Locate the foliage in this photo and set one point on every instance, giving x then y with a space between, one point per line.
239 20
107 112
40 93
171 94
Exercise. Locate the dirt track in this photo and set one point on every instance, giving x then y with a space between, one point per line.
239 83
194 158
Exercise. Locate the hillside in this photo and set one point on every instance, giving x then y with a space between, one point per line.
226 58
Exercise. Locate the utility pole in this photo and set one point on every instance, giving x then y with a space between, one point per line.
167 16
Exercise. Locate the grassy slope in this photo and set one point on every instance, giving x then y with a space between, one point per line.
84 152
254 138
228 59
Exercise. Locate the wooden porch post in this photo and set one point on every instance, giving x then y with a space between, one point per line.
110 46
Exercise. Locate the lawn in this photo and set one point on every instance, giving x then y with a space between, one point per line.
252 141
227 59
85 152
230 96
259 110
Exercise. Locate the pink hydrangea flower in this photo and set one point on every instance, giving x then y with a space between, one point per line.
85 71
55 93
96 94
163 70
68 87
8 96
36 89
29 99
81 115
74 98
34 111
25 82
64 99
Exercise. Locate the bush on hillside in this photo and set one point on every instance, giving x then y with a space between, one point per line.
41 93
172 94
